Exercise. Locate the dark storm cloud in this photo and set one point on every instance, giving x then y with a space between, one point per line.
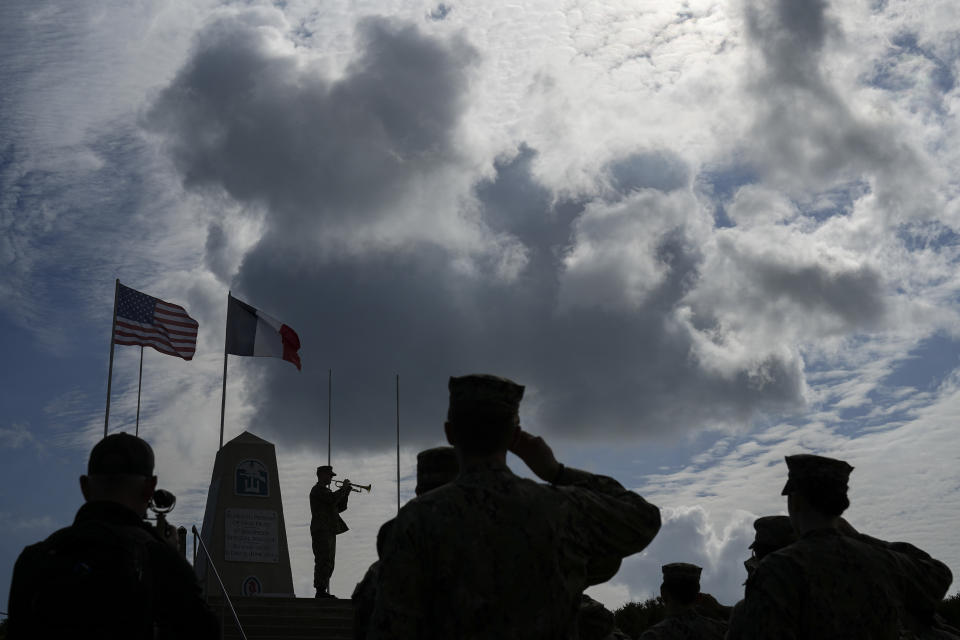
854 295
794 291
266 130
790 34
215 248
806 136
591 373
269 131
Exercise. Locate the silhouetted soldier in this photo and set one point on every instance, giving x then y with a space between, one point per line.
109 574
771 533
325 525
596 622
834 582
491 555
680 590
435 468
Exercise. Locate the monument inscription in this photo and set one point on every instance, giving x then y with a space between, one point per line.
252 535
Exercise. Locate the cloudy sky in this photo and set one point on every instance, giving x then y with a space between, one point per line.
705 234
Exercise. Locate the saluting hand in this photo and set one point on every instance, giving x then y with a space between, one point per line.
536 454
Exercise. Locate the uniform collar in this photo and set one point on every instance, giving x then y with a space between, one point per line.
821 532
110 511
486 466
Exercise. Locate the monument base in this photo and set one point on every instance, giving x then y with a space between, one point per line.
286 618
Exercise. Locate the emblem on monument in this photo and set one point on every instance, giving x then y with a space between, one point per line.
251 586
252 479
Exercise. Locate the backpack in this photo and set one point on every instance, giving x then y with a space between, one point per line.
89 580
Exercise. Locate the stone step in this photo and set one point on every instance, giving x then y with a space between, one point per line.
287 618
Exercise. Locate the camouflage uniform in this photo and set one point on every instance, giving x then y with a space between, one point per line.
771 533
492 555
832 585
325 525
686 625
686 618
937 629
829 585
596 622
435 467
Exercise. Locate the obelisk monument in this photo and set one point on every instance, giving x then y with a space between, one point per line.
243 525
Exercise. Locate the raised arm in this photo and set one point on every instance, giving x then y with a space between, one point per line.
613 522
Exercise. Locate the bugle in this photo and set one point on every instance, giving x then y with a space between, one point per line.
358 488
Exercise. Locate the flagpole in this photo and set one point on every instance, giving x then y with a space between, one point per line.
398 443
329 410
223 392
139 385
113 332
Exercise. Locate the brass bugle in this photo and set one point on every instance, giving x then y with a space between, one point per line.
359 488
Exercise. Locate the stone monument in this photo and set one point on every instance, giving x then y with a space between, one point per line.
243 525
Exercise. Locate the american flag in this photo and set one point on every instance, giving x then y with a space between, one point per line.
150 322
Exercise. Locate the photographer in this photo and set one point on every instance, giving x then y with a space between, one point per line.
109 574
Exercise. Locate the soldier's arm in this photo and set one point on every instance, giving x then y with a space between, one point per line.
342 494
21 590
323 496
400 583
770 607
614 522
923 580
179 609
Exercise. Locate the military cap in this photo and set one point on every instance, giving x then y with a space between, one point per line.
326 468
807 471
483 394
121 453
773 531
594 621
679 572
436 467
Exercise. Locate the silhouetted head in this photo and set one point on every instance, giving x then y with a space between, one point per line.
325 474
120 469
594 621
483 414
436 467
681 583
821 483
772 533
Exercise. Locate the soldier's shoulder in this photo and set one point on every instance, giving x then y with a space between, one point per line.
663 629
777 570
708 627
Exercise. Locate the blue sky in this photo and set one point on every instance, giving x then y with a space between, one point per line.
704 235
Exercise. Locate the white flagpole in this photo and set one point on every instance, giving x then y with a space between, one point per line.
113 331
398 443
223 392
329 410
139 385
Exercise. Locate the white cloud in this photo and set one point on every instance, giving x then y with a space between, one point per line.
12 522
16 436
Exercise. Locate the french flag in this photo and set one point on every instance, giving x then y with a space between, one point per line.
251 332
